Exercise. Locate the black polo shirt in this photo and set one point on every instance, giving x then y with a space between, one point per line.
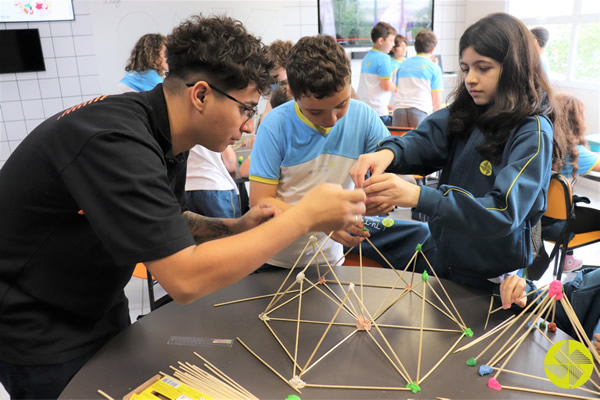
86 195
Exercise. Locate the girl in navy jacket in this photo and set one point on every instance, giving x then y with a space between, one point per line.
494 147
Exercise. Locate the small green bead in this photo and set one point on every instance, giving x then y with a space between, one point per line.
414 387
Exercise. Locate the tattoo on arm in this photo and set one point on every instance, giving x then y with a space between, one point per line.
204 229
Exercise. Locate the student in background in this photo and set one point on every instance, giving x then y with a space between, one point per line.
209 186
279 96
316 139
494 147
419 80
278 51
397 54
375 84
572 158
96 189
542 36
147 64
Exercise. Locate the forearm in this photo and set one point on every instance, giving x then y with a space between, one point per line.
205 229
200 270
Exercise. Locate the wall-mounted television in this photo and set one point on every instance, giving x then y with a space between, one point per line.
351 21
21 51
36 10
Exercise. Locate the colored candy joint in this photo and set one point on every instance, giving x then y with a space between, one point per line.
292 397
414 387
471 362
468 332
419 247
424 276
485 370
556 289
494 384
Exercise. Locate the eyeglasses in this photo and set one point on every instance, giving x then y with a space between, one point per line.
248 111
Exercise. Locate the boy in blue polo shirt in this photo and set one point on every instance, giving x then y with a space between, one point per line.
317 138
375 86
419 81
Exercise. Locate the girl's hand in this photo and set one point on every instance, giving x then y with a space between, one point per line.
387 190
512 290
374 162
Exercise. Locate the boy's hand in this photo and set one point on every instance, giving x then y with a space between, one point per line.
328 207
390 189
255 216
512 290
352 236
374 162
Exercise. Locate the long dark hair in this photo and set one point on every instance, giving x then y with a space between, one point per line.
523 89
569 132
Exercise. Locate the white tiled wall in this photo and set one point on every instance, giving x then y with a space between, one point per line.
449 25
71 76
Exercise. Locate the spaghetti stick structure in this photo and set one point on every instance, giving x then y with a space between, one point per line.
541 308
351 303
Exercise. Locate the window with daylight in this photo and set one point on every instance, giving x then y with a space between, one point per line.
574 26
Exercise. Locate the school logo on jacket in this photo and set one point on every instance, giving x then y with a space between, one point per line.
485 168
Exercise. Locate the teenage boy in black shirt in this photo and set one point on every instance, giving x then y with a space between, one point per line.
99 187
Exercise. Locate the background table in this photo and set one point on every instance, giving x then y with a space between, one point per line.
141 350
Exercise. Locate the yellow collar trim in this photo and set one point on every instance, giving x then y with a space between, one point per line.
320 129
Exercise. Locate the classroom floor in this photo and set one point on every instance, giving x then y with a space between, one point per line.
137 289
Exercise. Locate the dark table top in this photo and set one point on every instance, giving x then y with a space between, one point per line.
142 350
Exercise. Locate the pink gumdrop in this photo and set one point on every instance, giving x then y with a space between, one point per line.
494 384
556 289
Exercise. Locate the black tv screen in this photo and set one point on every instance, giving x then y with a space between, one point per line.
21 51
36 10
351 21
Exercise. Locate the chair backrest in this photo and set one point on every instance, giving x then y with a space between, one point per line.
399 130
559 203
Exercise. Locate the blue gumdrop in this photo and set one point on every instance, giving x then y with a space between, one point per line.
485 369
529 324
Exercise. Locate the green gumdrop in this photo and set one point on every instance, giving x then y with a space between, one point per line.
293 397
542 325
365 229
468 332
471 362
424 276
419 247
414 387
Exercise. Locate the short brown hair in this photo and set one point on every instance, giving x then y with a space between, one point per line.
317 66
397 41
382 30
278 51
425 41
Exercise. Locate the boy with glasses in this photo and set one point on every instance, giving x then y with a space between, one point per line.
99 187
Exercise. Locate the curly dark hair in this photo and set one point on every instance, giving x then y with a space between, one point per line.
218 49
147 54
523 89
317 66
569 131
279 50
